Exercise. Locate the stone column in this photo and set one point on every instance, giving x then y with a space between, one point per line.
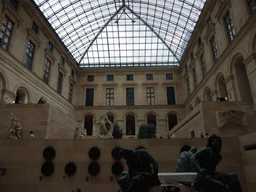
250 65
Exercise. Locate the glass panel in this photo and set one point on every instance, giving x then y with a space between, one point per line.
93 25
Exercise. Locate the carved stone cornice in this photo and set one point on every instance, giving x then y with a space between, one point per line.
210 32
62 69
109 85
72 80
10 93
200 50
250 58
214 92
166 84
230 77
129 85
149 84
223 10
33 37
49 55
94 85
12 13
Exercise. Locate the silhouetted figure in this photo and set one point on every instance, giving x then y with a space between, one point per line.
41 101
141 176
32 136
206 160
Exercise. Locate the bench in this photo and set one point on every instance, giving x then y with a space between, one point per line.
183 176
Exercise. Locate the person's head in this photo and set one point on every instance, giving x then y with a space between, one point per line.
185 148
126 153
31 132
215 143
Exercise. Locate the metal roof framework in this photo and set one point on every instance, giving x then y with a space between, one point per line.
117 33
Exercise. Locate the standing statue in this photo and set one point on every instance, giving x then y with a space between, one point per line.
206 160
101 127
15 128
141 176
83 134
77 132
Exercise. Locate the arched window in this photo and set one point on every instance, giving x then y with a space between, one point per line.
20 97
198 101
172 120
151 119
130 124
208 96
88 124
243 82
222 87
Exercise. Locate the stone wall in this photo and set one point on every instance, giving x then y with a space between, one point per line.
23 160
44 120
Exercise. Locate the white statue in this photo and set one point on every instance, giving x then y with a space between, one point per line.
101 128
7 100
77 132
15 128
83 134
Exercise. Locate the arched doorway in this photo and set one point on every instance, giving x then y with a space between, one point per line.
130 124
172 120
88 124
243 82
21 97
111 118
222 87
208 96
198 101
151 119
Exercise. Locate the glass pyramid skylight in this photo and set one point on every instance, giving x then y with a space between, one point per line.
116 33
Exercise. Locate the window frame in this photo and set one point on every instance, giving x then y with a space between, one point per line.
130 98
150 95
149 77
129 77
171 97
229 27
47 73
89 97
90 78
8 20
28 53
70 93
60 81
110 77
214 49
109 96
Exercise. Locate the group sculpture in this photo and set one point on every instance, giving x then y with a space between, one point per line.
15 128
99 131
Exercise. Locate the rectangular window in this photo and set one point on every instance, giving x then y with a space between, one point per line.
149 76
47 71
60 83
110 77
14 3
5 33
90 78
109 96
195 78
89 97
209 22
129 77
252 5
150 96
203 65
169 76
214 49
50 46
188 87
70 94
129 96
229 27
170 96
35 27
72 73
29 55
62 61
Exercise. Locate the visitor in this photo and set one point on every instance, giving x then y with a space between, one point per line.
32 136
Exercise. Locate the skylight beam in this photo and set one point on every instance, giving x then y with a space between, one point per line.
145 23
100 32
